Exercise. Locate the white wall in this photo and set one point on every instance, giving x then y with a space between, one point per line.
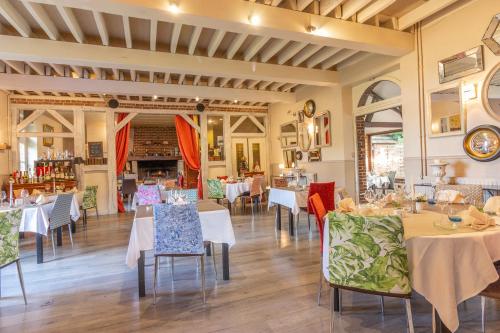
4 137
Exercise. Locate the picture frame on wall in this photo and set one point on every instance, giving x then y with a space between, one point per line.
47 141
95 149
315 155
461 64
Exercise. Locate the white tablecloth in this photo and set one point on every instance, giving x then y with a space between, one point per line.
234 190
293 199
215 221
446 269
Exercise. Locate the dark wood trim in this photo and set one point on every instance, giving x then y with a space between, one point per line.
384 124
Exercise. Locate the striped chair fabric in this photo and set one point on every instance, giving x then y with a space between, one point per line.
60 215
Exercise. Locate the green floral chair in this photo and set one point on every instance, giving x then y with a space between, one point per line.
9 242
368 255
215 190
89 202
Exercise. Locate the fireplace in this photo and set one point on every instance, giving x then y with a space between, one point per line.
157 168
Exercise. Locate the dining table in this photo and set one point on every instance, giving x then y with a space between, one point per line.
216 227
35 219
293 198
447 266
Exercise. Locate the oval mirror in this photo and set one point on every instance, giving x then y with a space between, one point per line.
491 93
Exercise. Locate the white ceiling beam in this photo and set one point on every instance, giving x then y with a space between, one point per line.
59 69
37 67
196 80
360 56
351 7
257 44
264 85
339 57
275 2
116 74
14 18
78 71
288 86
302 4
421 12
224 81
215 42
237 83
327 6
290 51
40 15
275 86
71 22
211 81
181 79
87 55
235 45
176 32
151 77
101 27
230 15
133 75
18 66
166 78
321 56
126 31
305 54
153 30
252 84
193 41
97 72
274 47
373 9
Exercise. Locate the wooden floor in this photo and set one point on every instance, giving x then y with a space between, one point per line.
272 289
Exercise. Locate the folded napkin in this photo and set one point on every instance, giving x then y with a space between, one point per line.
492 205
74 190
390 197
477 220
36 192
41 199
346 205
451 196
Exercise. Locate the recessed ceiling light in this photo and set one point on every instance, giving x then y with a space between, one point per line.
254 19
173 8
155 97
235 101
197 99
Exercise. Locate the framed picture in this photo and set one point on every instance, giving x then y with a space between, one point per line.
95 149
461 64
47 142
315 155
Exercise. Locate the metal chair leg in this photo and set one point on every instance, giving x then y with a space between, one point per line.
320 286
433 319
53 244
203 277
340 301
332 312
172 267
382 305
309 221
70 235
483 315
21 280
155 279
409 316
213 259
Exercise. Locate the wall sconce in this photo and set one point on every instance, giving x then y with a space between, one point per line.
469 91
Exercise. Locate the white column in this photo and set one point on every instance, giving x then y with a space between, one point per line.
227 145
204 151
110 132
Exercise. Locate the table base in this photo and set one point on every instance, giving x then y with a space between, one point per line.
291 230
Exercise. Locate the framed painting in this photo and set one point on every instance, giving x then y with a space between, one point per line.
47 141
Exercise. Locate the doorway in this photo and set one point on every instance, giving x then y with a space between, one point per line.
248 155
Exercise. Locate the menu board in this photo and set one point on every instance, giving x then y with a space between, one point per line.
95 149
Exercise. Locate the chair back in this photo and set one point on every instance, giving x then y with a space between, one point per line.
60 215
215 189
129 186
90 197
327 193
177 230
280 182
222 177
190 194
9 236
319 212
256 188
368 254
472 193
148 195
170 183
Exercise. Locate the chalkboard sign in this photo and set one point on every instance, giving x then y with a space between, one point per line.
95 149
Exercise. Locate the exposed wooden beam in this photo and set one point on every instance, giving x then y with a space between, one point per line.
327 6
224 81
98 72
45 135
62 120
255 47
101 27
37 67
153 30
211 81
14 18
77 70
351 7
126 31
339 57
40 15
166 78
384 124
152 77
125 121
275 86
290 51
252 84
321 56
373 9
18 66
58 52
235 45
215 42
176 32
28 120
421 12
274 47
305 54
288 87
237 83
302 4
193 41
264 85
71 22
181 79
59 69
196 80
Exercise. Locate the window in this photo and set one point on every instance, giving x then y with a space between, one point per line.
215 138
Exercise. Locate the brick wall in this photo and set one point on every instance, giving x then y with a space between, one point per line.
152 140
361 142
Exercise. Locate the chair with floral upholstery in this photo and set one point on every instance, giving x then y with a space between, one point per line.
148 195
190 194
89 201
368 255
9 243
215 190
177 233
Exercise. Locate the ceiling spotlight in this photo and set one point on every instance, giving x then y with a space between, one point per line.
310 28
155 97
235 101
173 8
254 19
197 99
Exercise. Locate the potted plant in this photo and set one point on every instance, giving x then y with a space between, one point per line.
420 199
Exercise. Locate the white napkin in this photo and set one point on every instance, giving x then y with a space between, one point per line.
451 196
492 205
346 205
477 220
41 199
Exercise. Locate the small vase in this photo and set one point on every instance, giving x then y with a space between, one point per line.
419 206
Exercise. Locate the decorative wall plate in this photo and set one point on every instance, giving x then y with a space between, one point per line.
309 108
482 143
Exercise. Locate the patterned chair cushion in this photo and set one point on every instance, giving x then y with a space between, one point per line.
177 230
90 197
368 253
215 189
191 195
9 236
148 195
61 213
472 193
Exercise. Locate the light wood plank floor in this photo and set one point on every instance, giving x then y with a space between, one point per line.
272 289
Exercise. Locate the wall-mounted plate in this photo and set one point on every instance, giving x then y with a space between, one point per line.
309 108
482 143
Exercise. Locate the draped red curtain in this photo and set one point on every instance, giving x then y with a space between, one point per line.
121 146
188 145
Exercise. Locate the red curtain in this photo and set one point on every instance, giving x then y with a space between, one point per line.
121 146
188 145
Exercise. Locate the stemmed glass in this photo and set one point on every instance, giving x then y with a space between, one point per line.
4 197
442 201
24 195
369 196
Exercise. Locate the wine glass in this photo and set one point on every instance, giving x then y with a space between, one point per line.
369 196
24 195
442 201
4 197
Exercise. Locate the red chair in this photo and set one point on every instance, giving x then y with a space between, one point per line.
222 177
319 211
327 193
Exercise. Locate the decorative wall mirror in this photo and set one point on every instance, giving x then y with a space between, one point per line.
491 37
491 93
289 160
445 112
461 64
305 138
322 130
289 134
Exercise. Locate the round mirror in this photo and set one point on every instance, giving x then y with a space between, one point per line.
491 93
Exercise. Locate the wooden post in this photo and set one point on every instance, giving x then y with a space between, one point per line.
112 183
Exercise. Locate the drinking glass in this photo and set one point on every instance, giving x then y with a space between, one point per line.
24 195
442 202
369 196
4 197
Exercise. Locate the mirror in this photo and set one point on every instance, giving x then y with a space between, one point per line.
461 64
289 134
491 93
445 112
491 37
322 130
289 158
305 139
